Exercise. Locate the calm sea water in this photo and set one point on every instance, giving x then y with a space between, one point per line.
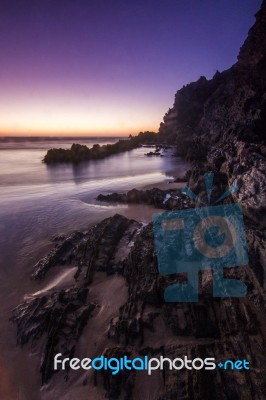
39 201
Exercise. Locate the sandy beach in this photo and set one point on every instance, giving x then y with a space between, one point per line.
166 185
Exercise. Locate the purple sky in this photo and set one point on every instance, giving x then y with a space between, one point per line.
109 66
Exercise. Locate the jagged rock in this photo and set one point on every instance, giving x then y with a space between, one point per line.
154 153
244 164
60 316
171 199
220 328
221 122
61 254
79 153
115 385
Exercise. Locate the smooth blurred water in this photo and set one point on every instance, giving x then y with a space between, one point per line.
39 201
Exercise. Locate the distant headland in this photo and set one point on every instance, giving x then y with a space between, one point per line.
80 153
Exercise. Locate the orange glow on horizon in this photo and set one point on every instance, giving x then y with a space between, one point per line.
87 133
49 115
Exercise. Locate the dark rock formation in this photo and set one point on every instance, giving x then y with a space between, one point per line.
61 254
145 324
220 328
171 199
244 164
221 122
79 153
59 316
115 385
154 153
213 327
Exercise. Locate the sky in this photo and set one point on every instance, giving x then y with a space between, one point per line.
109 67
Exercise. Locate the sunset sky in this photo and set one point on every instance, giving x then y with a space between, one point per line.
108 67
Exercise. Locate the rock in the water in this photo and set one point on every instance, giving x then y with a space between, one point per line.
171 199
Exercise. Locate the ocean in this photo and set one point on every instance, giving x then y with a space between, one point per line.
39 201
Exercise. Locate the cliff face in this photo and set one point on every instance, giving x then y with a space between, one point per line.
253 49
222 121
232 103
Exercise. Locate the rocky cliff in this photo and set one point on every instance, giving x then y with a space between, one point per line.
222 122
230 105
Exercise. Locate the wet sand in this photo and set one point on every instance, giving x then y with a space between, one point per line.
27 225
20 377
167 185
